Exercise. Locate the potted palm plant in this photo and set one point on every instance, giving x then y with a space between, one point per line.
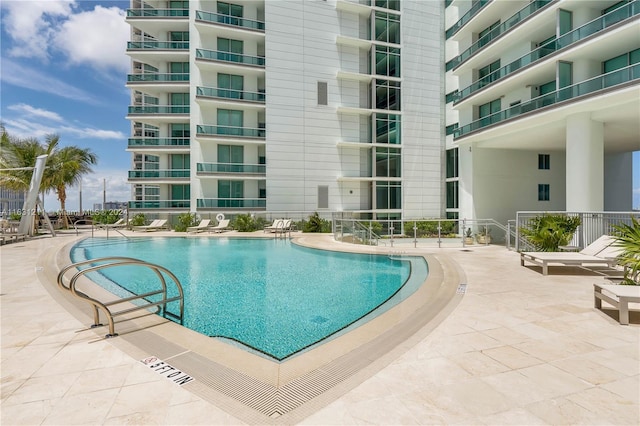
484 236
468 237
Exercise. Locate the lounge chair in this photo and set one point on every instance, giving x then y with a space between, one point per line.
223 225
618 296
202 226
119 224
276 225
597 253
153 226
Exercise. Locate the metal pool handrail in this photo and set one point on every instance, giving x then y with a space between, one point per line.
105 306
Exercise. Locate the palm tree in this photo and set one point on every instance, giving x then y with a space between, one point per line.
67 166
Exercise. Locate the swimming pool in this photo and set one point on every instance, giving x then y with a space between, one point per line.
268 294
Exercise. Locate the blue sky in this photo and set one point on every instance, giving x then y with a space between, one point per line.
64 71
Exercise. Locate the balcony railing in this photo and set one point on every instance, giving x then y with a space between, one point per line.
229 20
232 168
588 87
157 13
246 132
509 23
159 174
158 45
212 92
159 109
160 77
588 29
140 142
237 58
160 204
214 203
477 6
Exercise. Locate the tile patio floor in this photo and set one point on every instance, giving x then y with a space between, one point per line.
519 349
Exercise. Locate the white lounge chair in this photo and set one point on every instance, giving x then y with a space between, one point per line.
223 225
153 226
119 224
202 226
618 296
596 253
276 225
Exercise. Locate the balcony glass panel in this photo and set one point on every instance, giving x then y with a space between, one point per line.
477 6
138 142
230 131
159 45
590 28
505 26
230 57
159 174
159 13
231 168
160 204
601 82
213 92
229 20
210 203
134 78
159 109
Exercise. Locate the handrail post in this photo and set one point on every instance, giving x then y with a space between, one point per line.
439 233
391 233
415 234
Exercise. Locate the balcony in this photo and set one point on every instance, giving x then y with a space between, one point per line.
589 29
217 18
157 78
509 23
157 13
477 7
159 174
232 94
227 203
235 58
157 45
159 109
160 204
243 132
586 88
227 168
158 142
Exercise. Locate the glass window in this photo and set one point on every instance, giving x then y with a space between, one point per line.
180 192
544 161
484 37
387 27
489 108
179 130
180 161
486 74
229 9
543 192
179 36
387 128
452 194
231 154
230 117
449 130
565 21
565 74
388 4
614 7
452 163
233 82
179 67
387 61
388 195
230 189
229 45
388 162
387 95
322 93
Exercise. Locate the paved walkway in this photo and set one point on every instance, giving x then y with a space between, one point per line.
520 349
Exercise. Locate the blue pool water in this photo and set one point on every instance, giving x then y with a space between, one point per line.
268 294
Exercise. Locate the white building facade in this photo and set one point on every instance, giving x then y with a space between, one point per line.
287 105
542 106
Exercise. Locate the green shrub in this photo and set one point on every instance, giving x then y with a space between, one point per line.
316 224
185 220
549 231
15 216
139 220
628 240
106 216
429 228
244 223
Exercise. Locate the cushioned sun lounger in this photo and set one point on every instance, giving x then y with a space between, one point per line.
202 226
153 226
223 225
618 296
590 255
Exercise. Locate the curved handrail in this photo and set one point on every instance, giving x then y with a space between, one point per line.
104 306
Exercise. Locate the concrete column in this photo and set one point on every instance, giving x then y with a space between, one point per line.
585 163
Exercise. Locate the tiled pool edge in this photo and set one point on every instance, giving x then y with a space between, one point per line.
316 387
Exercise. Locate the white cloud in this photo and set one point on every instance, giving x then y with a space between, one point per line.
36 123
23 76
35 112
98 37
40 29
31 25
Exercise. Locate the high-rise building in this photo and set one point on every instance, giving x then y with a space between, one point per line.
542 105
287 105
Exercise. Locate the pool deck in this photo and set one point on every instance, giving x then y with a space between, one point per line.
520 348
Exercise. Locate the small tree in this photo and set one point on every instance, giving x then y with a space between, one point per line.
549 231
628 240
244 223
317 224
185 220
